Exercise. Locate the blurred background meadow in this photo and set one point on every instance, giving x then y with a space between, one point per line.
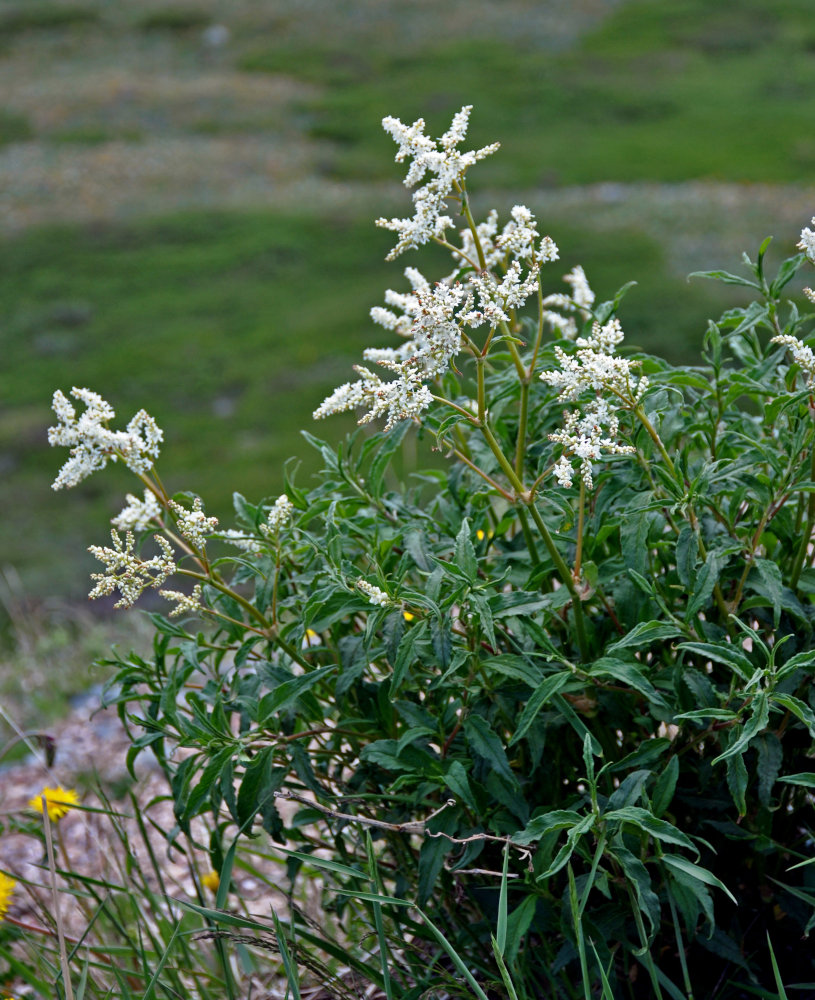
187 196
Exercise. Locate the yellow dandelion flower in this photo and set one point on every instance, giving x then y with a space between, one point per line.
58 801
6 890
408 616
211 881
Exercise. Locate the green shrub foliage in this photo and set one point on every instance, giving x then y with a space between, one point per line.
558 696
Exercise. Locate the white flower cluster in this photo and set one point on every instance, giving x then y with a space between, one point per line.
93 444
374 594
138 515
184 603
580 301
595 366
589 433
193 524
807 242
430 318
802 355
446 166
279 515
128 573
582 437
241 540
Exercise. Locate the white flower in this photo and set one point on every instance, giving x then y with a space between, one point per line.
802 355
595 366
431 322
582 437
493 255
240 539
280 513
93 444
807 242
582 294
193 524
185 603
495 298
127 572
519 239
446 166
374 594
138 514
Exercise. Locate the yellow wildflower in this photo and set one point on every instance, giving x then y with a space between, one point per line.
408 616
211 881
6 889
58 801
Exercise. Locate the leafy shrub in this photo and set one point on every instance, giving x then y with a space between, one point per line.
558 699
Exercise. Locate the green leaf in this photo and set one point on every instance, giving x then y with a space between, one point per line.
634 540
725 653
724 714
806 779
254 782
405 655
630 674
465 552
706 580
516 667
517 926
637 874
287 693
665 787
786 272
539 826
774 585
737 782
565 853
485 743
779 985
726 277
289 966
757 721
680 864
657 828
540 696
798 708
644 634
687 552
481 608
431 855
459 784
770 760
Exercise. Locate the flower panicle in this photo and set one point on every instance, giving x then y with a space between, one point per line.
802 355
127 572
193 524
91 442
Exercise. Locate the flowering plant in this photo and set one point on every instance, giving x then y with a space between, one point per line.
559 699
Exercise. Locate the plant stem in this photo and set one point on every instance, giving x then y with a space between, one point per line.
581 507
648 962
641 415
800 555
566 577
578 933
